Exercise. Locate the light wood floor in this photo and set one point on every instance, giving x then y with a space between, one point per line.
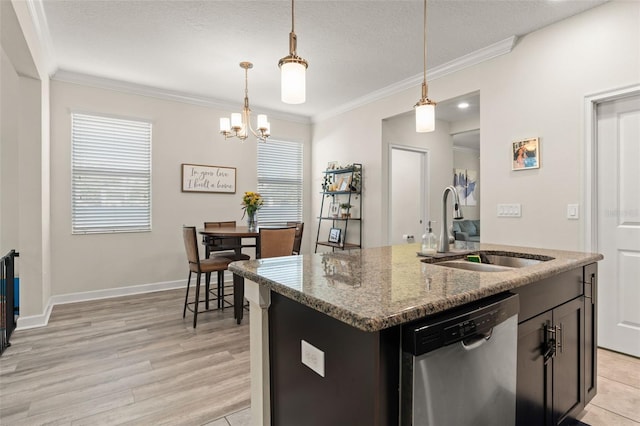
129 360
134 360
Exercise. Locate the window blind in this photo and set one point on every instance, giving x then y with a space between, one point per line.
111 174
280 181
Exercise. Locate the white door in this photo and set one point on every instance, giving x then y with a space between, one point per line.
407 194
618 224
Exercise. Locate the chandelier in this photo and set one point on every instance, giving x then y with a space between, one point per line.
425 108
293 69
239 125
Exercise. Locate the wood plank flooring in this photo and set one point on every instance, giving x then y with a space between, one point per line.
134 360
128 360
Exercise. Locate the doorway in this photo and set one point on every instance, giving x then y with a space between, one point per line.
615 217
407 193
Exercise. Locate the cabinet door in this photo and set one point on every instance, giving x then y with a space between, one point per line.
568 363
533 388
590 331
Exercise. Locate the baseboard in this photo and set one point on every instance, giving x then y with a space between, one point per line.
34 321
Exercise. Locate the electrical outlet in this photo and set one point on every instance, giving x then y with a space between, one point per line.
312 357
509 210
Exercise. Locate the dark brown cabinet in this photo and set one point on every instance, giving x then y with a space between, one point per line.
557 348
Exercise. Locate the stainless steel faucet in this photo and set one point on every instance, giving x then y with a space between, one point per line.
443 246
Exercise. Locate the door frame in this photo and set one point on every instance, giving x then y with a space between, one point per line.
425 178
591 102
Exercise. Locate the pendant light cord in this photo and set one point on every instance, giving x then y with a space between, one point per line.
425 42
292 14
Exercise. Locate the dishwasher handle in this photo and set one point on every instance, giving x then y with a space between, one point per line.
476 341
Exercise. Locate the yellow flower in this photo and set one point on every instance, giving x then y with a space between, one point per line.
251 202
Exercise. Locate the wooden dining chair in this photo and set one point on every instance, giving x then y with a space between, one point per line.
199 267
223 247
276 242
297 243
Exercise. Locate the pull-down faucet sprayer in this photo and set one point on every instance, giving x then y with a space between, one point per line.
443 246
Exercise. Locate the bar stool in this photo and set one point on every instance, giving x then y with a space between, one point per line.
199 267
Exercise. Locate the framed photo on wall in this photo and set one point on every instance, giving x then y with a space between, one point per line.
334 235
525 154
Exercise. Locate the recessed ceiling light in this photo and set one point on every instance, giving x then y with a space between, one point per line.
463 105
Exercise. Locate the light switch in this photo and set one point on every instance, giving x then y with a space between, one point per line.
509 210
312 357
573 211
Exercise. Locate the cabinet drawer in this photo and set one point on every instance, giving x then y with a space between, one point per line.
544 295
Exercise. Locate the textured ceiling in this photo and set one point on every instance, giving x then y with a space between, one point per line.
353 47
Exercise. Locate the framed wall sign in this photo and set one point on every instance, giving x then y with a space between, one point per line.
200 178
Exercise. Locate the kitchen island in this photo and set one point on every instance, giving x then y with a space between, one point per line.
352 306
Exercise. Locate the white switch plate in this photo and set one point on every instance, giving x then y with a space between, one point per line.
312 357
573 211
509 210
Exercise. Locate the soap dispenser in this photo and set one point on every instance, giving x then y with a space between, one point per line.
429 241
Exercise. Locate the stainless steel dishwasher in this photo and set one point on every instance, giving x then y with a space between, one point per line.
459 368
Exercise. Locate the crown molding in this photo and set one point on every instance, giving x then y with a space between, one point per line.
481 55
169 95
41 26
497 49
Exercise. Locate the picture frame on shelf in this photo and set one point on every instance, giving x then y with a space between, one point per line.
344 183
334 235
334 209
525 154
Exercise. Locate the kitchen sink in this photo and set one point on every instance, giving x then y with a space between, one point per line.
472 266
494 262
510 261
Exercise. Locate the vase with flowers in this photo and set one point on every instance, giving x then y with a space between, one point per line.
251 203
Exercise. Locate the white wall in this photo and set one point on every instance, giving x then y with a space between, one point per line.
438 143
535 91
9 119
182 133
28 153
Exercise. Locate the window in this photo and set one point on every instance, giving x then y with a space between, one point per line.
280 181
110 175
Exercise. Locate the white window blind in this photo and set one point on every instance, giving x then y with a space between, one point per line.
111 174
280 181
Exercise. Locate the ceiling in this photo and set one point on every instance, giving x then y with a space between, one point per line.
354 48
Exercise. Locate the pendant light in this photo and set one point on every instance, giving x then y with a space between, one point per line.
292 70
425 108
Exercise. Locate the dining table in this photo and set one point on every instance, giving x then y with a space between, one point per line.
231 238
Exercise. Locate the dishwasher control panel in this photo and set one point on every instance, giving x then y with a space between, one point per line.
458 324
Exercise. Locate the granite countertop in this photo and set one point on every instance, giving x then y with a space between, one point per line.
376 288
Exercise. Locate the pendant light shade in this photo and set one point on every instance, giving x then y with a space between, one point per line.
425 108
425 118
293 83
292 71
